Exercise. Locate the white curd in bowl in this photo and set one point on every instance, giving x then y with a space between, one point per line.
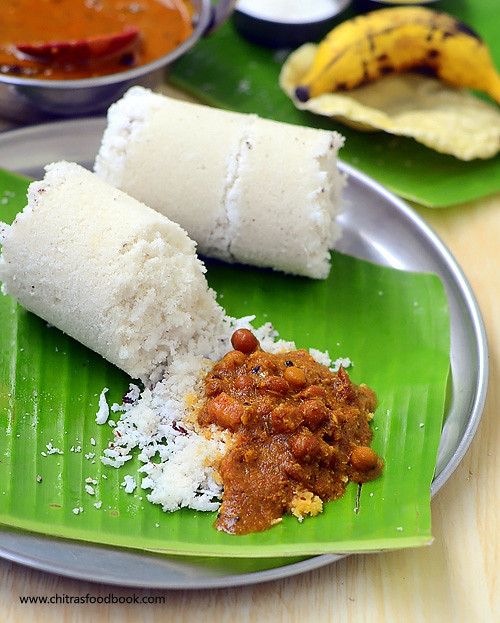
290 11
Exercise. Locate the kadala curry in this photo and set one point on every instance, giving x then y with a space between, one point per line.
74 39
301 434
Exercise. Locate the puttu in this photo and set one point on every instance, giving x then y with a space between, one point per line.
109 271
246 189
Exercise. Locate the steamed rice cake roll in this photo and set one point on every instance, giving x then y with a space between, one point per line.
287 224
112 273
175 159
246 189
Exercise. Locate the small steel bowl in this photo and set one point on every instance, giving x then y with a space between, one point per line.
284 32
31 100
370 5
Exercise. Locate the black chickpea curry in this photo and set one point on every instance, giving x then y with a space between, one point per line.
301 434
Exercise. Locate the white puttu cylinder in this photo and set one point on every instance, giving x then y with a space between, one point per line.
109 271
246 189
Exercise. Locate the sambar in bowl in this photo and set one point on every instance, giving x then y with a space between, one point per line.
75 57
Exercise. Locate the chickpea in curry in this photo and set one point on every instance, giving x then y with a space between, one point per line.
301 433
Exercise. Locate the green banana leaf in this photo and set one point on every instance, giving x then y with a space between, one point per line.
227 71
393 325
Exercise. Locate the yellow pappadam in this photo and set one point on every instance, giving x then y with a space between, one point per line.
449 120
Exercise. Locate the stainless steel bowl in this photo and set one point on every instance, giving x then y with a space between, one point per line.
286 32
32 100
364 6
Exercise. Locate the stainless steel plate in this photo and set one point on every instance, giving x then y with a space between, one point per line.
377 226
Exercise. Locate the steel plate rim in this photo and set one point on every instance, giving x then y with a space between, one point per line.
474 312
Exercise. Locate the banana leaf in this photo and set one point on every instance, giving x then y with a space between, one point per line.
392 324
227 71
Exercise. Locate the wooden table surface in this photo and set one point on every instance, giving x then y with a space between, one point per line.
456 578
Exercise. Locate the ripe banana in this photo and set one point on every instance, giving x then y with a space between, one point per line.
393 40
